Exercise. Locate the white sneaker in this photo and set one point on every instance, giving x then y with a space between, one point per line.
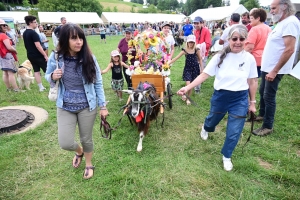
42 89
227 164
204 134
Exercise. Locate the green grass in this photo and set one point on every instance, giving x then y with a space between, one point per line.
122 6
174 163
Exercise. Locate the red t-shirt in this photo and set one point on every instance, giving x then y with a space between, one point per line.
248 26
3 49
203 35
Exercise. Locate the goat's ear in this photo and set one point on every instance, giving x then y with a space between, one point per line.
146 92
128 91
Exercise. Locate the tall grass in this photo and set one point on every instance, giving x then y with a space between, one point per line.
174 164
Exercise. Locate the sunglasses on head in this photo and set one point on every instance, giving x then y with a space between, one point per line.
4 25
236 38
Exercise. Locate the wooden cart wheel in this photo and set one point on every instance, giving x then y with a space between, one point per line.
169 92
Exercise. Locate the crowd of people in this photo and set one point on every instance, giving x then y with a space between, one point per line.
251 50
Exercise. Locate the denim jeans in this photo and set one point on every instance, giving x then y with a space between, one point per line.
236 104
267 91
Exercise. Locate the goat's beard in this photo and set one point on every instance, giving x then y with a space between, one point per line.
277 17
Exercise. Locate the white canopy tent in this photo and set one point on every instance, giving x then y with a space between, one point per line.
218 13
122 17
74 17
17 16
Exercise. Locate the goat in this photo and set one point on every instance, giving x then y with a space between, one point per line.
143 106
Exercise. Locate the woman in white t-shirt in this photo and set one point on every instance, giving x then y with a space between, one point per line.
235 77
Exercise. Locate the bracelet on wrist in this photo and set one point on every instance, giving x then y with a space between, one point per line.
103 108
253 101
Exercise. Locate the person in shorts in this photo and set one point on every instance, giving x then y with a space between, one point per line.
35 52
116 66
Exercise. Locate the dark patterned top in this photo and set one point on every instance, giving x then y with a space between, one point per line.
117 72
74 97
192 68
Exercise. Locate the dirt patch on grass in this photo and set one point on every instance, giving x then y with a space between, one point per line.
264 164
298 153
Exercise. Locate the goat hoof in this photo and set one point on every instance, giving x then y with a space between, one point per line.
139 149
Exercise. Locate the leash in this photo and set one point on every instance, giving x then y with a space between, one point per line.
252 119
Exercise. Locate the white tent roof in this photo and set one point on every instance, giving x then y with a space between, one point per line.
218 13
122 17
17 16
74 17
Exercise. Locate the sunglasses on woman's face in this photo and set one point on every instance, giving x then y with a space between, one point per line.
4 25
240 39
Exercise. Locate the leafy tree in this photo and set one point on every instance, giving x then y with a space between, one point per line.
161 5
154 2
214 3
252 4
70 6
2 7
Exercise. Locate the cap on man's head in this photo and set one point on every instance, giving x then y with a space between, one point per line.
128 30
165 24
198 19
235 17
191 38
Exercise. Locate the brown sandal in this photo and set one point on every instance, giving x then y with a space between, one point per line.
86 172
77 160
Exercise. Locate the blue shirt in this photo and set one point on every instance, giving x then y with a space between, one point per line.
187 29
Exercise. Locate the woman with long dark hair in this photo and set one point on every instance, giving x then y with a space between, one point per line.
80 92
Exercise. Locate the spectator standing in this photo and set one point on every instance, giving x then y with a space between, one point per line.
7 59
234 20
102 33
246 20
54 38
203 36
44 39
123 49
277 60
187 29
35 53
257 36
63 21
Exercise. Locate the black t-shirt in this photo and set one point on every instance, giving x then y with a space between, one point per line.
30 37
117 72
57 31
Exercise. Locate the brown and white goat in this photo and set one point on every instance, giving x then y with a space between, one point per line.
143 107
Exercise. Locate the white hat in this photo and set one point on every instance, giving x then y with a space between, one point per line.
191 38
114 53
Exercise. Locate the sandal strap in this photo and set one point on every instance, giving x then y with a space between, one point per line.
87 170
77 157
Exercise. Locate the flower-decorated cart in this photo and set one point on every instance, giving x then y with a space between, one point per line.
151 62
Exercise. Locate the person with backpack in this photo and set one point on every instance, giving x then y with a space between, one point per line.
63 21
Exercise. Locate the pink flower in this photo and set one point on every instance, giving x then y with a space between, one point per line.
151 36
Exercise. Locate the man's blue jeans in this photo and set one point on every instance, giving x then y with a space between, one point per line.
267 91
236 104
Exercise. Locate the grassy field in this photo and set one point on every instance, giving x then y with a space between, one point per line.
174 164
122 6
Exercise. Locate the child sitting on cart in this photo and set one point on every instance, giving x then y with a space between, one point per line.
193 64
116 65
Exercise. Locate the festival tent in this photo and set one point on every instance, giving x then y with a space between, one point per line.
122 17
74 17
17 16
218 13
